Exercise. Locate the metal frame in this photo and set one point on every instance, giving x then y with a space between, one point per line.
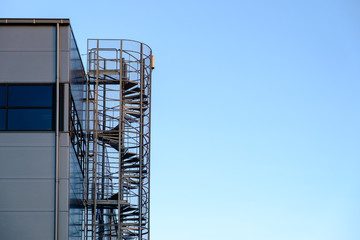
118 139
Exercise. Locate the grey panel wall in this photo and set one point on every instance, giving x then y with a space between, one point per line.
65 54
64 186
27 54
27 159
26 225
27 172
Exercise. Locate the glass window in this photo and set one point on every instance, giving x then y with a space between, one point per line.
2 119
30 119
2 96
30 96
26 107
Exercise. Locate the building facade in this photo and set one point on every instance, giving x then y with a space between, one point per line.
42 90
74 145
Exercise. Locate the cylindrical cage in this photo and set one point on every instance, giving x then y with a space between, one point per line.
118 133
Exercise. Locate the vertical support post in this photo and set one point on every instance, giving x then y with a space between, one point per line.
141 140
87 159
57 141
121 147
86 171
101 217
152 65
95 139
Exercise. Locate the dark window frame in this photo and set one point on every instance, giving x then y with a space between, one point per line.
7 107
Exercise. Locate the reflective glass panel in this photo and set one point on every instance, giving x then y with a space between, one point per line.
2 96
2 119
30 96
30 119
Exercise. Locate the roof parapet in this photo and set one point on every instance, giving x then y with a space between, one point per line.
40 21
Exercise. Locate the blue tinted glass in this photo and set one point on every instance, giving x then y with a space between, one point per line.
30 96
2 96
29 119
2 119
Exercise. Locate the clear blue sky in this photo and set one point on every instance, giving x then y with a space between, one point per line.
256 111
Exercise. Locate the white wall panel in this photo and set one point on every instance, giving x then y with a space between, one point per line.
27 67
64 225
64 66
27 162
27 139
26 225
64 195
65 38
21 38
27 195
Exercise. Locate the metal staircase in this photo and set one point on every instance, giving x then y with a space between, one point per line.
118 133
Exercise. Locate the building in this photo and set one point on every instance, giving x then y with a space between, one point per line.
74 145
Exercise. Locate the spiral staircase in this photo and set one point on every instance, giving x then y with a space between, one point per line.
118 132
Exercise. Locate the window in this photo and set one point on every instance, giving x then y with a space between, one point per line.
2 96
2 104
27 107
30 96
2 119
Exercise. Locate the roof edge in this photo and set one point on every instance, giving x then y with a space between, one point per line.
34 21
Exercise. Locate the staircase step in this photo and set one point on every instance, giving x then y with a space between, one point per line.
132 224
136 108
145 102
135 171
136 96
131 166
129 84
132 113
129 214
132 176
128 155
130 119
128 209
132 219
131 160
133 90
131 181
